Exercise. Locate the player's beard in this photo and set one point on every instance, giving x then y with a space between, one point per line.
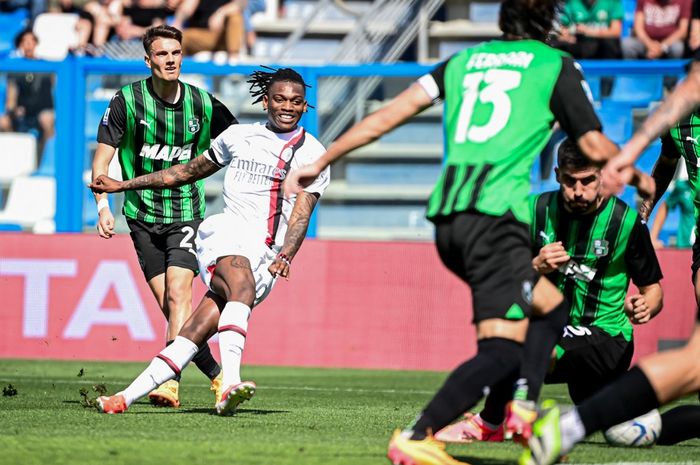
581 207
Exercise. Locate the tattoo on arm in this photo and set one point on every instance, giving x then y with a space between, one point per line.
676 106
175 176
299 223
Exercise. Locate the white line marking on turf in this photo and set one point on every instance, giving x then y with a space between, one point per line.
279 388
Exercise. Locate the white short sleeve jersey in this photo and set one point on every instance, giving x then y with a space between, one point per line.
257 162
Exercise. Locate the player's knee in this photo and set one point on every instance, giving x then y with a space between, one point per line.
505 353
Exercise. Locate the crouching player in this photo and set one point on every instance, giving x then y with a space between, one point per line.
242 250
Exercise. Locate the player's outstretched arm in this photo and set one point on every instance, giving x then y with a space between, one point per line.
296 232
175 176
407 104
677 105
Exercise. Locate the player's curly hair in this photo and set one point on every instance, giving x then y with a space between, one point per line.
529 19
261 81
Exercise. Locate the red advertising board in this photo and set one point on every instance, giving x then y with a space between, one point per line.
346 304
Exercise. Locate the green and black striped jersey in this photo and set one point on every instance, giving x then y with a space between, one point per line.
501 100
683 140
152 134
607 248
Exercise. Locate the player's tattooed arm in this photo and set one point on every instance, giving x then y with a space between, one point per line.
178 175
175 176
298 223
296 231
677 105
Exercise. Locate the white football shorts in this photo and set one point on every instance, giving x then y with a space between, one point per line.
224 235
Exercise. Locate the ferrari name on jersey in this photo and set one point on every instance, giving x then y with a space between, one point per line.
166 152
497 60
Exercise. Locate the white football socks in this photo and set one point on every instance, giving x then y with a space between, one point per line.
168 363
233 328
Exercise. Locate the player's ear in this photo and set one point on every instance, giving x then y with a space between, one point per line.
557 174
306 106
147 60
265 101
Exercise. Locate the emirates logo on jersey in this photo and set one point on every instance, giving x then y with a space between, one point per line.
193 125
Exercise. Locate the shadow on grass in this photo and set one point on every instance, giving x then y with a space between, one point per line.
485 460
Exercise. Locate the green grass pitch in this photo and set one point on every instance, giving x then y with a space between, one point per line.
299 416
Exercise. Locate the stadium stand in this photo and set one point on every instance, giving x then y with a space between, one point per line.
31 201
378 192
18 155
56 33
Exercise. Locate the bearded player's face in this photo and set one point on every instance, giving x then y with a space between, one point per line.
165 59
580 189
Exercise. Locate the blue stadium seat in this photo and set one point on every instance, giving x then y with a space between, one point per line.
594 86
617 121
629 196
10 25
10 227
359 173
648 158
628 21
637 91
94 111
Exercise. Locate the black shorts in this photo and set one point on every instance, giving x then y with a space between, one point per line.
588 358
696 256
159 246
492 254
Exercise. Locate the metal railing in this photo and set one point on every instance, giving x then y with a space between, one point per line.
71 90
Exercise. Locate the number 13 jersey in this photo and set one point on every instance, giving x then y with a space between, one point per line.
502 99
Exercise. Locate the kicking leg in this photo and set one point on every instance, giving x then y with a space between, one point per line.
233 278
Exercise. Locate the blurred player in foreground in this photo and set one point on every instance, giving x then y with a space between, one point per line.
502 98
157 123
590 247
242 250
657 379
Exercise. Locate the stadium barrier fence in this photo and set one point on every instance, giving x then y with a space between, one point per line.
71 90
346 304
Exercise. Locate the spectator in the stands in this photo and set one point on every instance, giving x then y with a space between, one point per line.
106 15
33 7
29 98
591 28
139 15
211 25
254 6
694 34
84 26
660 29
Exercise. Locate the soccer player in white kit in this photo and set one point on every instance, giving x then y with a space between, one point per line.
242 250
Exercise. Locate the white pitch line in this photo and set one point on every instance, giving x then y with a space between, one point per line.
264 387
